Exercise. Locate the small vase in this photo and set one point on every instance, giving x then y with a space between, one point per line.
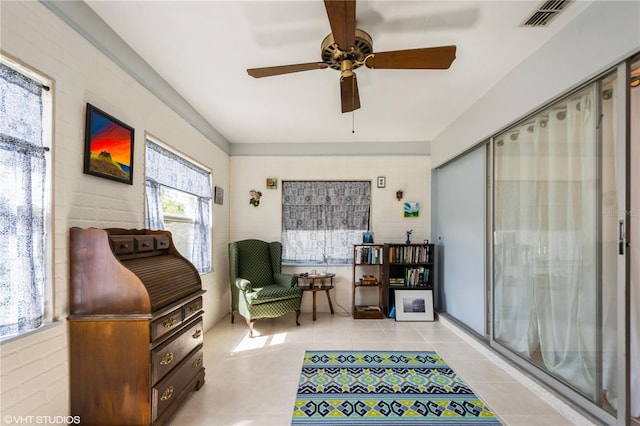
408 240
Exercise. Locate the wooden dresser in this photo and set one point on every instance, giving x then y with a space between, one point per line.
135 327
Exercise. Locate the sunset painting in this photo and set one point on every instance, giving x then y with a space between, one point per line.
108 146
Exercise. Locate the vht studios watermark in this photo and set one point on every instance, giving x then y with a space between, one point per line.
41 420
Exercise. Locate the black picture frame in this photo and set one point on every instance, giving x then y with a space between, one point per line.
108 146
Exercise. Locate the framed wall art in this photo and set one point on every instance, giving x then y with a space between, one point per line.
218 195
108 151
411 209
414 305
272 183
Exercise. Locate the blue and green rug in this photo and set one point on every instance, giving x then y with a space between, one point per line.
384 388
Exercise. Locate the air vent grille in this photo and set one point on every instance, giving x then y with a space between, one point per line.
545 13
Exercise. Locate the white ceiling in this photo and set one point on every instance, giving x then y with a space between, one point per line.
203 48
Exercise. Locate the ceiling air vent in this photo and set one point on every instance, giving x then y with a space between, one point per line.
545 13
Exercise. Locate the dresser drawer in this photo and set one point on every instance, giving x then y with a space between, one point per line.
162 242
121 244
170 354
143 243
170 388
167 323
192 308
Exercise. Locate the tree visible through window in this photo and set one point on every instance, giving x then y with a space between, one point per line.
321 220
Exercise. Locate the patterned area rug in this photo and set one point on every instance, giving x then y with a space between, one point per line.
384 388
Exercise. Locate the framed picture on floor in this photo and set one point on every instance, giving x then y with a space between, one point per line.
414 305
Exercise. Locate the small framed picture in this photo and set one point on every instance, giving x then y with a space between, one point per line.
272 183
382 181
411 210
218 195
414 305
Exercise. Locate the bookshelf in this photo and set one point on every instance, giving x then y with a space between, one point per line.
368 262
406 267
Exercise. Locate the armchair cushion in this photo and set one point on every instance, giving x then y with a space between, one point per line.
272 293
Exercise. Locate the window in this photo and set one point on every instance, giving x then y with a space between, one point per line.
322 220
25 132
178 199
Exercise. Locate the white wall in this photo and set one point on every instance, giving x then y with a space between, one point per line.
600 37
408 173
35 368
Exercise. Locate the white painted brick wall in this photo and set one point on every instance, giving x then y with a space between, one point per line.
34 368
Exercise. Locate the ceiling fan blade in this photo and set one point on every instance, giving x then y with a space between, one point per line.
349 93
285 69
418 59
342 18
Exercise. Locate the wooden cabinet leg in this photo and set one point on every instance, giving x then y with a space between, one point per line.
314 305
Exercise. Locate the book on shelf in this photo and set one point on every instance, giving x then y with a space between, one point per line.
395 281
368 255
409 254
369 308
413 277
368 280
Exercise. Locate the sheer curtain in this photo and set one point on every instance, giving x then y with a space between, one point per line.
545 241
164 168
22 203
321 220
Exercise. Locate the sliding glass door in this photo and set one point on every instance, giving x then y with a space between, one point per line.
557 196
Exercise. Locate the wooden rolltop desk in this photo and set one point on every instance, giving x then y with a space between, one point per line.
136 327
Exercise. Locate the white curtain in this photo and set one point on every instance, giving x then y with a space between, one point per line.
164 168
23 208
545 241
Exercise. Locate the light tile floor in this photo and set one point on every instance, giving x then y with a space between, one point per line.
253 382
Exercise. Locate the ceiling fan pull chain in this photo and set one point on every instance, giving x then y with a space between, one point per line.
353 122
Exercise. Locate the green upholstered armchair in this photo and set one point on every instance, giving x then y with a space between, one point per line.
258 287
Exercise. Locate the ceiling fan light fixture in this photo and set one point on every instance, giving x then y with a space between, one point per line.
346 68
333 56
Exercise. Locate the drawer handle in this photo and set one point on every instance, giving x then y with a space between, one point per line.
145 244
167 394
197 363
124 246
193 308
168 357
196 334
170 322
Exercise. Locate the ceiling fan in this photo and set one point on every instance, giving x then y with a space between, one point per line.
347 48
